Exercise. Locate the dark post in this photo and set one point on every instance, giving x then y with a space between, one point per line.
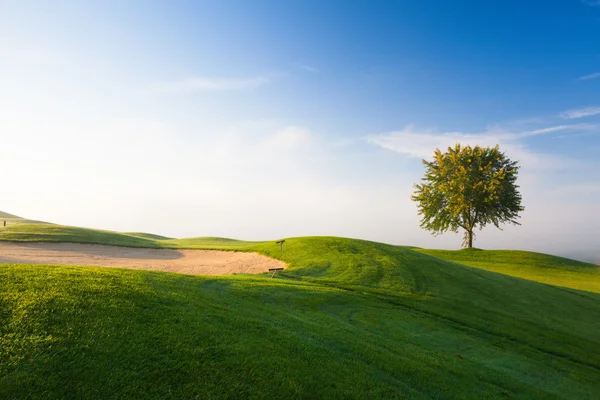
280 243
4 223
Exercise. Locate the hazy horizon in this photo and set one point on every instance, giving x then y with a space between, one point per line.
260 120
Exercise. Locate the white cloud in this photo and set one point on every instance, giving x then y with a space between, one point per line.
559 128
309 68
590 76
215 84
580 113
423 143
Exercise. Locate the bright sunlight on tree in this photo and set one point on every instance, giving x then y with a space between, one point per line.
468 187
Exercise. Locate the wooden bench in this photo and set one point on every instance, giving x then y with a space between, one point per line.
274 271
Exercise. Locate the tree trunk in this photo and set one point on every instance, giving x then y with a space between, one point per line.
470 243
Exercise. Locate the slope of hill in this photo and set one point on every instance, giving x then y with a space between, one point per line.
11 219
210 242
349 318
58 233
7 215
28 232
527 265
150 236
36 231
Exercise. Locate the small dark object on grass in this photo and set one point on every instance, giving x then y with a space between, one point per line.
274 270
459 356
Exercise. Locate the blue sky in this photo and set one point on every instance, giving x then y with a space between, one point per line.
261 119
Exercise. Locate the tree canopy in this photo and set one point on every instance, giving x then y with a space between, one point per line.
467 187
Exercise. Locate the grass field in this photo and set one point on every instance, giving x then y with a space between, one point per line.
523 264
11 219
28 231
150 236
347 319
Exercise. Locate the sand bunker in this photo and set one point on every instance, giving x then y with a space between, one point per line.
195 262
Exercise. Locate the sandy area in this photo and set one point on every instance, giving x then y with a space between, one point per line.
195 262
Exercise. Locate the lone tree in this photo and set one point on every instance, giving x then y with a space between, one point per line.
468 187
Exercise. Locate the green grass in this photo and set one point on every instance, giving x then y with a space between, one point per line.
5 215
523 264
348 319
59 233
11 219
210 242
43 232
150 236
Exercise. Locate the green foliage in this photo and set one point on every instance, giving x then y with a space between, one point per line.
468 187
347 319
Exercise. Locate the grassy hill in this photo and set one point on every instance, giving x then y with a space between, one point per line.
528 265
26 231
150 236
210 242
11 219
7 215
348 319
57 233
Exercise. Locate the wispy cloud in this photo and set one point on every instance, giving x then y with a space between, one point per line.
215 84
591 2
309 68
590 76
580 113
422 143
559 128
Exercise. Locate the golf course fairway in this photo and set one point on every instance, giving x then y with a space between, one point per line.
346 319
